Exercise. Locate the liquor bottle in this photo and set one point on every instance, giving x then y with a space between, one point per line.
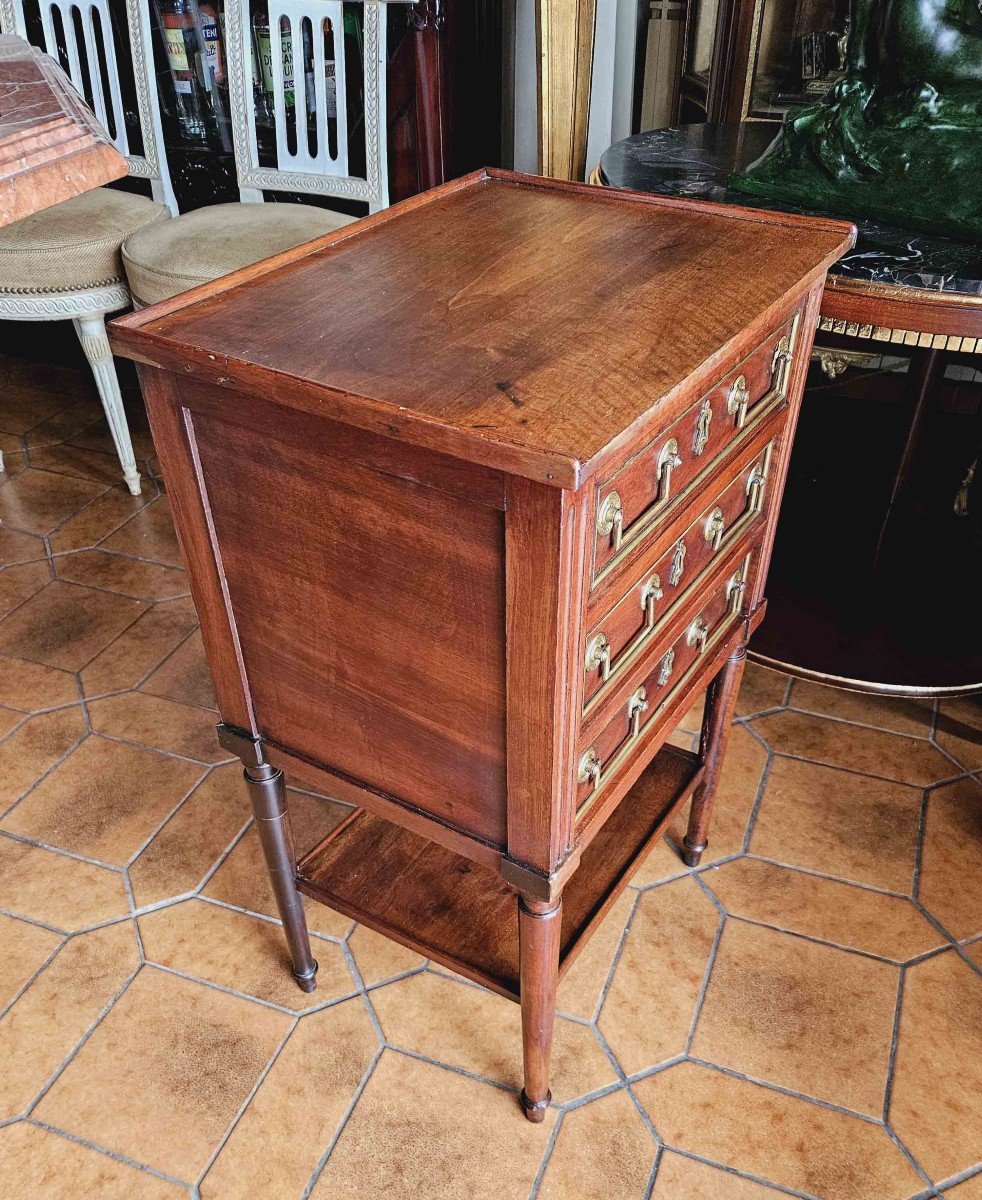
212 38
194 114
264 52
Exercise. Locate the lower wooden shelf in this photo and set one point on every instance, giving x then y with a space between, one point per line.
463 914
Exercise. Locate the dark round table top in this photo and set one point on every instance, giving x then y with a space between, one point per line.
697 160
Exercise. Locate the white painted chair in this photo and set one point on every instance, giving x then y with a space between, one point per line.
64 262
163 260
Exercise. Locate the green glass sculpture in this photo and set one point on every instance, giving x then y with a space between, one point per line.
899 136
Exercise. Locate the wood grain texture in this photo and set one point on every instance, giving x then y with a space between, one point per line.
51 147
515 364
373 599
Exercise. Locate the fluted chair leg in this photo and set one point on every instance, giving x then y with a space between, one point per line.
91 332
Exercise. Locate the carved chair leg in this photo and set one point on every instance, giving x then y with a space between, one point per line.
92 334
268 793
538 934
720 706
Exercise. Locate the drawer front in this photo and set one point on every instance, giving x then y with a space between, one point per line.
632 503
605 751
633 626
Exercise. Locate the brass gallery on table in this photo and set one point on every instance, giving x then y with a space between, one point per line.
475 496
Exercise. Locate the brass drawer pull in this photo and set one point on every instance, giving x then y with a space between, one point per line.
735 588
700 437
678 564
598 656
781 364
668 460
755 485
738 400
591 770
697 634
610 517
714 528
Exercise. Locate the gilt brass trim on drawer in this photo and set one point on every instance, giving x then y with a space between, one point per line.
598 655
591 767
610 512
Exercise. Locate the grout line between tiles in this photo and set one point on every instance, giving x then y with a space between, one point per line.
246 1102
546 1156
4 1009
704 985
59 850
113 1154
342 1124
65 1062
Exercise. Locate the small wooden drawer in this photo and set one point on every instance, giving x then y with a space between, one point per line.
605 750
631 628
632 503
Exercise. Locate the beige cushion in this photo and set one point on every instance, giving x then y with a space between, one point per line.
75 244
210 242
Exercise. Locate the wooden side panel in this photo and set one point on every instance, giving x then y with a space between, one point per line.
370 610
546 547
170 423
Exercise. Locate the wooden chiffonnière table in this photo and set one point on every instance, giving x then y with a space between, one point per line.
475 496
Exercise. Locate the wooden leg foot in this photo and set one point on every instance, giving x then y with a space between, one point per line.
535 1111
539 924
720 706
268 793
691 855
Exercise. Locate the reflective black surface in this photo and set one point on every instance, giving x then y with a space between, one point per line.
697 160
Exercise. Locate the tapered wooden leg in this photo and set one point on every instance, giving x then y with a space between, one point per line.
538 934
268 793
720 706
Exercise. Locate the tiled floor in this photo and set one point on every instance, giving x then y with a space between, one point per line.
801 1016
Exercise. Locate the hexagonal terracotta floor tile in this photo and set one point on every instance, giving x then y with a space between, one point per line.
419 1130
950 885
242 953
839 823
34 747
604 1151
936 1106
849 916
56 890
179 857
24 949
651 1000
65 625
804 1016
203 1050
765 1133
289 1123
38 501
870 751
42 1028
35 1159
68 808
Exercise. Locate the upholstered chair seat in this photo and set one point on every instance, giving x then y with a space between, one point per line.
163 260
64 262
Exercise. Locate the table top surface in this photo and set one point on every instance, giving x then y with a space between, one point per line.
697 160
520 314
51 147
